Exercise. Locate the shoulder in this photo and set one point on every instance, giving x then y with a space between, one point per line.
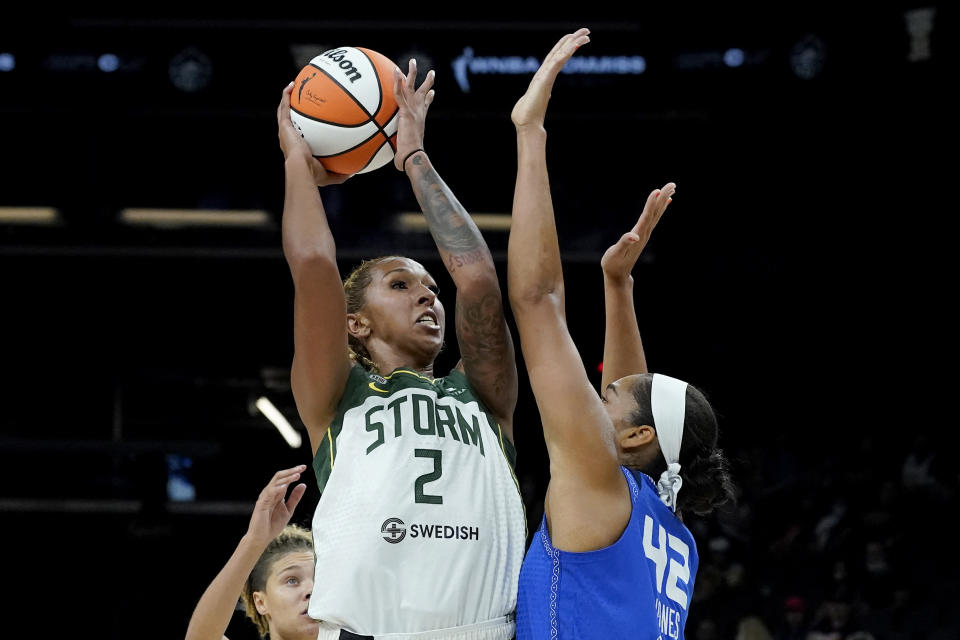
643 490
455 384
360 385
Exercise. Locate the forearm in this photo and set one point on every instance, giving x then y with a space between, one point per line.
461 246
622 347
486 349
533 259
306 233
215 608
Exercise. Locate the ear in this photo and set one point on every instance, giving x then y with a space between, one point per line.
358 326
632 438
259 602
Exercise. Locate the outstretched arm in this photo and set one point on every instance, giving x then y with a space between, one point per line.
270 515
587 503
622 348
486 348
321 361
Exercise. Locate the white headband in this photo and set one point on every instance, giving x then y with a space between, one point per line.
668 403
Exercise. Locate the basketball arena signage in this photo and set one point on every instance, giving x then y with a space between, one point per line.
467 63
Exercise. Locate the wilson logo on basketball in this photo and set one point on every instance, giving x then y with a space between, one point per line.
338 56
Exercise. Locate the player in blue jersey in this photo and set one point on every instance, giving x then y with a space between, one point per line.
612 558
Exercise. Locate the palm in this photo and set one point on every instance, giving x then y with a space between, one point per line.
413 104
620 258
271 513
532 106
618 261
293 144
277 518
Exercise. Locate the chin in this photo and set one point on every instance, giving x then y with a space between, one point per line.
432 348
304 629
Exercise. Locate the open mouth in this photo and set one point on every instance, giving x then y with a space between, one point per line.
429 319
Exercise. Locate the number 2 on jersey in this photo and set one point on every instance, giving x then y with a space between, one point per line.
418 494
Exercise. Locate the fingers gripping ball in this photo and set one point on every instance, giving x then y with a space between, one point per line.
343 106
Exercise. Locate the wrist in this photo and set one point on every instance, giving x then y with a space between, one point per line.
534 131
409 156
253 543
617 280
296 159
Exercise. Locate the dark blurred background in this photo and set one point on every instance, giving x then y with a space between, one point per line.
795 279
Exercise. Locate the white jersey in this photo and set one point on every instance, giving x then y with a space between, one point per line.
420 525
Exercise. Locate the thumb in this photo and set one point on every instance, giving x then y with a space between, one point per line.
628 239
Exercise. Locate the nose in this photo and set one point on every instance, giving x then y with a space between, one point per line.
427 296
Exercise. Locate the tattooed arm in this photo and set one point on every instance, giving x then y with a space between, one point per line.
486 348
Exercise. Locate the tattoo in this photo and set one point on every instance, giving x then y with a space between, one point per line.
459 260
486 347
484 339
450 224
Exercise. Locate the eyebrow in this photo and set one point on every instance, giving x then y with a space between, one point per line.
408 271
610 387
299 566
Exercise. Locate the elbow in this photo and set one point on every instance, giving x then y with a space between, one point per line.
312 262
536 295
478 281
193 633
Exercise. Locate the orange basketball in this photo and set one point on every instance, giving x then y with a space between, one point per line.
343 105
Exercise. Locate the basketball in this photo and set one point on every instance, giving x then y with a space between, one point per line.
343 105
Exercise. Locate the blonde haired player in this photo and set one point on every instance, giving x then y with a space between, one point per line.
420 528
271 570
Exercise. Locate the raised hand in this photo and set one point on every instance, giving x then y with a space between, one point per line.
531 109
619 259
271 514
293 144
413 104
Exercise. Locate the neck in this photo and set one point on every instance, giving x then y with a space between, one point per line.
276 635
389 358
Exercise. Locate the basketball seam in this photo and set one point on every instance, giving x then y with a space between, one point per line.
356 146
379 84
389 141
374 154
354 98
335 124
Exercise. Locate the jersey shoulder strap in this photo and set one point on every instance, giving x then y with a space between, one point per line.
456 384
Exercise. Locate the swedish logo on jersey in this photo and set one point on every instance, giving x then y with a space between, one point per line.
393 530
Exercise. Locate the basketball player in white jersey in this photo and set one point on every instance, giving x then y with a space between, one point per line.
420 530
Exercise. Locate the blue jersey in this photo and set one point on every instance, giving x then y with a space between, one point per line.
638 587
